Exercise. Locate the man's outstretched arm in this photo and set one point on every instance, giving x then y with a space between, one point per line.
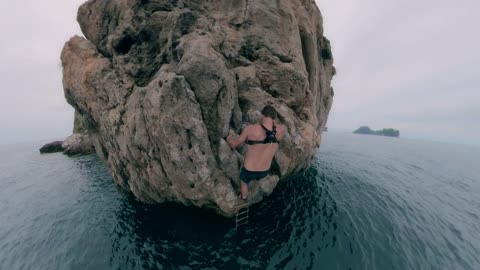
236 142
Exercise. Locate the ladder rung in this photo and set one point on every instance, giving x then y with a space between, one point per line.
242 205
242 213
241 224
240 219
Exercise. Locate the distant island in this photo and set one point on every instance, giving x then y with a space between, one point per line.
390 132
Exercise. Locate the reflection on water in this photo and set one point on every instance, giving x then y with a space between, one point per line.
176 235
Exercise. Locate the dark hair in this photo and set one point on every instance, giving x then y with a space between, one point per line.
269 111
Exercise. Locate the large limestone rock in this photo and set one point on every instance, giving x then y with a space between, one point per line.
159 84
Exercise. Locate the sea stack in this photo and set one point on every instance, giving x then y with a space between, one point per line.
160 84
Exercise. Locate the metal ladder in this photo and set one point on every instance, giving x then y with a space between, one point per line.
242 214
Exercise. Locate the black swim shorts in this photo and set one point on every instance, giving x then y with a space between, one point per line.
246 176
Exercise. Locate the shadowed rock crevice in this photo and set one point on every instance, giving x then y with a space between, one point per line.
159 84
306 41
123 45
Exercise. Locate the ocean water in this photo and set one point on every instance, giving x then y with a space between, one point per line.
367 202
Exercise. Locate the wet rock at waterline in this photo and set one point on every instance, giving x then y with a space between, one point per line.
52 147
74 145
78 144
159 84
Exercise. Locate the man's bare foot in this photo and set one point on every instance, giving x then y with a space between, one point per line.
242 197
243 191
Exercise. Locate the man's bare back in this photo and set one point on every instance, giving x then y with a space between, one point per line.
259 156
262 140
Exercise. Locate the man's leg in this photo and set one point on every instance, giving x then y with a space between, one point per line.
243 190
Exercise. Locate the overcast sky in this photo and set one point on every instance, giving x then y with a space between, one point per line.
410 65
32 104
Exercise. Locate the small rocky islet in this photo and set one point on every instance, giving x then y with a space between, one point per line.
389 132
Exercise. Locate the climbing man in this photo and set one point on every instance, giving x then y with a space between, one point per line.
262 140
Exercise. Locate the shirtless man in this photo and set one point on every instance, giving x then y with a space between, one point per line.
262 140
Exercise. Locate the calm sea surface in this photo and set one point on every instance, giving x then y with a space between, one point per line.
368 202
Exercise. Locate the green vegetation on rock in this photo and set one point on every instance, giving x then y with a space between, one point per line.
78 124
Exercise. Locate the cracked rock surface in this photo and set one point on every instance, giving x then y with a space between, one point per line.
159 84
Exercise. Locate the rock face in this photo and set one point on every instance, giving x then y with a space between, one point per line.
159 84
79 124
